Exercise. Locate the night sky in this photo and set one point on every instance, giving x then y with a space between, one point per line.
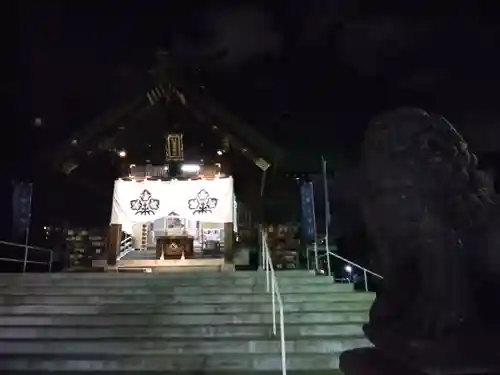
307 74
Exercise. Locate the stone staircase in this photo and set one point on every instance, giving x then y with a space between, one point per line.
188 323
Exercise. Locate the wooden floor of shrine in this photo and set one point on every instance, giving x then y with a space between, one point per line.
198 254
146 261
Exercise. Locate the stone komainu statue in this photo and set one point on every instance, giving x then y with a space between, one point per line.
435 220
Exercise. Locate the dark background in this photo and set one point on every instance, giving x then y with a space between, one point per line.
307 75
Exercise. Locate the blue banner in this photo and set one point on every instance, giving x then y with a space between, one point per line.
21 207
307 218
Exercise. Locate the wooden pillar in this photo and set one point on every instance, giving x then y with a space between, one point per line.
159 247
113 243
228 242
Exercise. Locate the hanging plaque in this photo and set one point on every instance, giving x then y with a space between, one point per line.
174 148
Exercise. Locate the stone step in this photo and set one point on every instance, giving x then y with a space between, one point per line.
139 363
196 331
193 308
197 372
154 298
134 276
106 319
170 347
157 281
173 290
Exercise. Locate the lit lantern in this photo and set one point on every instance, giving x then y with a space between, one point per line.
174 148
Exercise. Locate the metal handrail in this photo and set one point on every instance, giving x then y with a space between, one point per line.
272 287
26 251
365 270
125 246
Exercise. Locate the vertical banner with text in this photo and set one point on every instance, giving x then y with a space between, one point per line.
307 204
21 208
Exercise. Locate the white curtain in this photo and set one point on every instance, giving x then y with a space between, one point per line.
197 200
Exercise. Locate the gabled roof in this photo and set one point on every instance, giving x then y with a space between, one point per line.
171 88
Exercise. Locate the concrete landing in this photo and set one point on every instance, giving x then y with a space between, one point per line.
158 265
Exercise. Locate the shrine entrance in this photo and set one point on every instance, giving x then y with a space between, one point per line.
176 219
205 239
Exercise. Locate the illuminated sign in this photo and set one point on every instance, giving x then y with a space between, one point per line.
174 147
